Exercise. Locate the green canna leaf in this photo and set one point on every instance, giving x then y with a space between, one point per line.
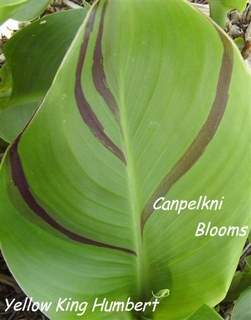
5 83
32 67
23 10
242 309
136 111
240 282
205 313
7 7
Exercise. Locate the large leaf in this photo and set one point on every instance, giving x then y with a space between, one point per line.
241 281
150 100
33 66
22 10
242 310
205 313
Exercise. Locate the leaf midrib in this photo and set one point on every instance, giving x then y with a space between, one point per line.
133 198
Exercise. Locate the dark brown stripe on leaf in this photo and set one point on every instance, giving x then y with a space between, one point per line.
98 71
85 109
22 185
205 135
